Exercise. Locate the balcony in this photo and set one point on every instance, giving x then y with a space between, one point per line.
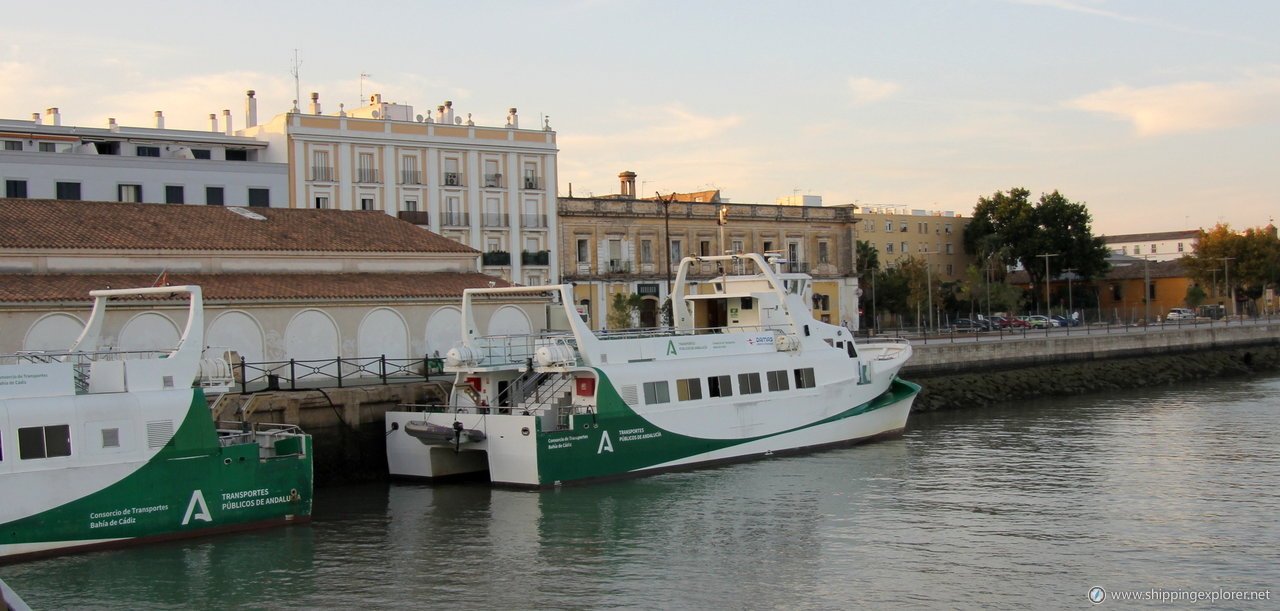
532 182
455 219
417 217
322 174
541 257
495 219
497 257
410 177
619 266
453 179
533 221
493 181
367 175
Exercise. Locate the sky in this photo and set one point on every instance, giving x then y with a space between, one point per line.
1159 115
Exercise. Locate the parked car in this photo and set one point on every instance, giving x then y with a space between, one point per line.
970 326
1180 314
999 322
1040 322
1066 321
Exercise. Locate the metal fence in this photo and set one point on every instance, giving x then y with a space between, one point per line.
946 332
321 373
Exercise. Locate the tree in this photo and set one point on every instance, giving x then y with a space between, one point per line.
1251 259
1008 225
868 257
623 311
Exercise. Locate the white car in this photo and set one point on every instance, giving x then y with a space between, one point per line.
1180 314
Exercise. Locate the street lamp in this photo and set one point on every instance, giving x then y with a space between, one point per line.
1226 279
1070 273
1046 280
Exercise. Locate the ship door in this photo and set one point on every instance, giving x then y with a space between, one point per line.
504 400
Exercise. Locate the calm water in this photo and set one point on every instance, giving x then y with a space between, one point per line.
1009 507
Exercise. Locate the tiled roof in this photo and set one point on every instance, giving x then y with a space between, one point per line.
27 288
49 223
1190 234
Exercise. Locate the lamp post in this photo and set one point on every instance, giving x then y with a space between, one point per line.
928 274
1226 279
1070 273
1046 280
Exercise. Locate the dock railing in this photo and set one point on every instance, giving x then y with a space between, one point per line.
320 373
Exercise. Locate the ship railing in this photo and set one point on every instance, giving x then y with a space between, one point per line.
609 334
264 434
885 349
500 350
45 356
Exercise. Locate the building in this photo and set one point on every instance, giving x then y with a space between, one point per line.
44 159
615 244
1161 246
935 236
491 188
278 283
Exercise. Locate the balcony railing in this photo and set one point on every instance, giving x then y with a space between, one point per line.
497 257
410 177
453 179
324 174
619 266
417 217
533 221
532 182
495 219
541 257
455 219
493 180
367 175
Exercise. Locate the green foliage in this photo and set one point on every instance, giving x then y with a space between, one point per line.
1008 226
868 257
1253 258
1195 296
624 311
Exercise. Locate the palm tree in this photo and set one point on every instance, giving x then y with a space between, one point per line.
867 257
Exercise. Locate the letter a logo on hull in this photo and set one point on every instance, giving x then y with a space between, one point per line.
671 347
197 498
605 443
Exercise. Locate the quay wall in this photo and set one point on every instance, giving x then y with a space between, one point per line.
973 374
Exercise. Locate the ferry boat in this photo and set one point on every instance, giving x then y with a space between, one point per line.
744 371
102 447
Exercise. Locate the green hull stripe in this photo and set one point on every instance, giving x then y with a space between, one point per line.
192 480
585 451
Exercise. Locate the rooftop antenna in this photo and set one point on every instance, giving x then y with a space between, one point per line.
295 70
363 76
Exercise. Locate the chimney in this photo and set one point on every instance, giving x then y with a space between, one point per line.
159 119
315 103
213 122
226 119
111 124
513 120
35 118
250 109
628 179
448 111
53 117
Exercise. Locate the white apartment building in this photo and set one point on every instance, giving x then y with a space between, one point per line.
43 159
491 188
1160 246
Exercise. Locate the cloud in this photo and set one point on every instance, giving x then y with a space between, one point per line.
867 91
1190 106
648 126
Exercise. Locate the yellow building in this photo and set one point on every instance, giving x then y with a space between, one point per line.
615 244
935 236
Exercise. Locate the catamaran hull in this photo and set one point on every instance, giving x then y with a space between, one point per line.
191 487
602 447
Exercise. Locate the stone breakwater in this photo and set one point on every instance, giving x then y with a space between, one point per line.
1049 368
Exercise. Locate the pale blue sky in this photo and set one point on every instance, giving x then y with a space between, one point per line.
1158 114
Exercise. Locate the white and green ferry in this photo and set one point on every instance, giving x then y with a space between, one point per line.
744 372
104 447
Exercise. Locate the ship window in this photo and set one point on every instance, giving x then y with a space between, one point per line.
804 377
778 380
110 438
44 441
656 392
719 386
689 389
749 383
